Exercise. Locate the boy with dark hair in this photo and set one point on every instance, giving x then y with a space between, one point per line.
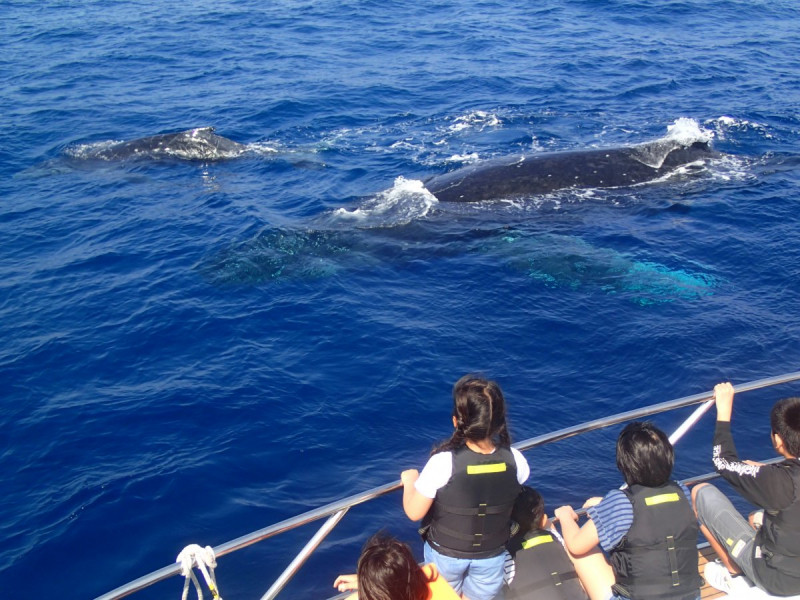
648 529
542 569
768 549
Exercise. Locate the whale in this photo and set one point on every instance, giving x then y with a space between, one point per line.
200 143
534 174
543 258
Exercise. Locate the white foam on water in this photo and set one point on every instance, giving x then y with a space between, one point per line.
732 168
477 119
406 201
406 144
682 133
263 148
463 158
686 131
724 124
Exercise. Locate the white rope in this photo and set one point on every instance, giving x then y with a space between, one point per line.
204 559
196 586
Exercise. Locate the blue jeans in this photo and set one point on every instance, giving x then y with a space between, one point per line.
476 578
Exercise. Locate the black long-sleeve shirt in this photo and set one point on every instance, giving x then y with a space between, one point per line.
770 487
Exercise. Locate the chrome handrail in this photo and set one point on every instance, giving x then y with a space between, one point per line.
347 503
646 411
301 558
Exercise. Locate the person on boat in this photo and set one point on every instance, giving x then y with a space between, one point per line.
648 529
466 492
387 571
540 568
767 550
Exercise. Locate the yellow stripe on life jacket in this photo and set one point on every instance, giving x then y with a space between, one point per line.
488 468
662 498
535 541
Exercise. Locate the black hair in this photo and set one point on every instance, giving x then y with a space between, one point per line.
644 455
387 571
785 421
480 412
528 509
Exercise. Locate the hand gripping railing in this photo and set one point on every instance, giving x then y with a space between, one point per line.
336 510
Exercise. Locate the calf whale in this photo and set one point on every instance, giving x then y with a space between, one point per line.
529 175
200 143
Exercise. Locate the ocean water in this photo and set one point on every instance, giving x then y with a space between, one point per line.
195 349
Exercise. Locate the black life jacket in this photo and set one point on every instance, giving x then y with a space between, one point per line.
471 515
542 569
657 558
779 536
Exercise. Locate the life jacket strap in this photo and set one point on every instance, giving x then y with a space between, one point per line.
673 560
554 579
477 540
480 510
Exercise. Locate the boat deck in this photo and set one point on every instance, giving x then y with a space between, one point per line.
706 554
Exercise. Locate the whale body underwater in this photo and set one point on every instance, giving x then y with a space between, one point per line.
529 175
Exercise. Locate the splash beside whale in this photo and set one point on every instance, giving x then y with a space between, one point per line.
529 175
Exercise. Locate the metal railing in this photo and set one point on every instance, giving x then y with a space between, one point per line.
336 510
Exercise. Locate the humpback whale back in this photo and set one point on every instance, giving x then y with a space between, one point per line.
529 175
200 143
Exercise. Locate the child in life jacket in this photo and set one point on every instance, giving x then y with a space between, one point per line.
387 571
648 529
466 492
767 550
541 568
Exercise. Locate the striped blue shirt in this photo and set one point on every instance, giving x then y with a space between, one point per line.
613 517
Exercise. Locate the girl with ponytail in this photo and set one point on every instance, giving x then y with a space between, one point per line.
466 492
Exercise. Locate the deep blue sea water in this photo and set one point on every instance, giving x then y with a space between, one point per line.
192 350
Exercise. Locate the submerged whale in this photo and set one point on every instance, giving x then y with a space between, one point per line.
545 259
519 176
200 143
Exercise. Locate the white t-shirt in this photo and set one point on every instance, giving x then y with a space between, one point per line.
439 468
